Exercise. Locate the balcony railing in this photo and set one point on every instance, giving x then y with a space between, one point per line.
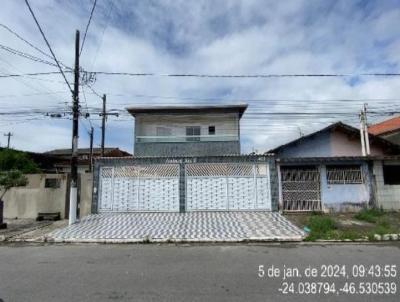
187 138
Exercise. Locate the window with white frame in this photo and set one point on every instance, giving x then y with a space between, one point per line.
344 174
192 132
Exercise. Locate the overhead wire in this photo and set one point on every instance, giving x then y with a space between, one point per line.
87 26
48 45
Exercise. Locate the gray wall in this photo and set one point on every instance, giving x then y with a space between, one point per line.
187 149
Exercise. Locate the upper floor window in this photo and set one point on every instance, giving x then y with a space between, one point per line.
211 130
344 174
163 131
391 174
192 132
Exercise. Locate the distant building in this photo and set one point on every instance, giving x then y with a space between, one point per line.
389 129
63 157
187 130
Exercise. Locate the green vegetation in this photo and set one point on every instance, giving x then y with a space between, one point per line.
12 160
369 215
347 226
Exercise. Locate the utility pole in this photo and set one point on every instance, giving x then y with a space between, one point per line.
368 151
104 115
362 134
91 150
73 199
9 134
103 124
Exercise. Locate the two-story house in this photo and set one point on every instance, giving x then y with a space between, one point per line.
186 158
187 130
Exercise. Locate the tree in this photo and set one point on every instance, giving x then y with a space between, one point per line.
13 166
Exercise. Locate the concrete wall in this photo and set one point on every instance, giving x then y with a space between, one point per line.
342 197
387 196
187 149
28 201
86 187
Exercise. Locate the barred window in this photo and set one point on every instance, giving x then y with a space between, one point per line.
344 175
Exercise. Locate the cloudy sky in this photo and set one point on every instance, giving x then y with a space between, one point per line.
205 37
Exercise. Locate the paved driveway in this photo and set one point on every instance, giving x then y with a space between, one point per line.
180 227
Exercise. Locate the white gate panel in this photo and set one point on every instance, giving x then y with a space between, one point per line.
106 188
227 186
241 193
139 188
206 193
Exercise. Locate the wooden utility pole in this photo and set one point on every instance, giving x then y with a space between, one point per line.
103 124
73 200
9 134
91 149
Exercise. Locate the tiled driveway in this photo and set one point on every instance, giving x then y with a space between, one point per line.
180 227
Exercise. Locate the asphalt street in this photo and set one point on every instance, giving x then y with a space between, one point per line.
200 272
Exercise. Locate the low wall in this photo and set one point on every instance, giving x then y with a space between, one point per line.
387 196
28 201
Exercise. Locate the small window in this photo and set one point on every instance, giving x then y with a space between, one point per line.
211 130
391 174
344 175
53 183
163 131
192 132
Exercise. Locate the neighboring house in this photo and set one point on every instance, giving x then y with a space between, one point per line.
389 129
326 170
187 130
63 157
186 159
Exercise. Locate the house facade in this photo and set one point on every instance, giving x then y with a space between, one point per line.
325 171
187 130
186 159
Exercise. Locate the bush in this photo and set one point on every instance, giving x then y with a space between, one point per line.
369 215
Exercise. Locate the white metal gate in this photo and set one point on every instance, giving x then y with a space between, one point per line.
139 188
227 186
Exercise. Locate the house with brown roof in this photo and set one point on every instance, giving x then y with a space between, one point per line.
388 129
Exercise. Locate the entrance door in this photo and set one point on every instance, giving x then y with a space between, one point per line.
301 188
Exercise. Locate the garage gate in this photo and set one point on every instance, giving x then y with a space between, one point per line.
301 188
227 186
139 188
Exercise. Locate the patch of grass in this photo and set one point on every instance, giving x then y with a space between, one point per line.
321 227
383 226
369 215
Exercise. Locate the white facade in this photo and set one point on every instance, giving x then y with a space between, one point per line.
170 128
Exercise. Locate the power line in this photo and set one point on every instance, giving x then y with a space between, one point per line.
87 26
247 76
24 40
25 55
15 75
48 45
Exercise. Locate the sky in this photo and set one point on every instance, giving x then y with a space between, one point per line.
230 37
